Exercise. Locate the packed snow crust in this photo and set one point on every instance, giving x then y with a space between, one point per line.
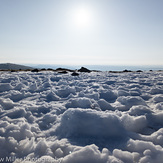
96 117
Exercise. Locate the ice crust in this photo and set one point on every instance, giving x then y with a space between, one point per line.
96 117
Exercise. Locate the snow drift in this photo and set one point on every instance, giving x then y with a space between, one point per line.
96 117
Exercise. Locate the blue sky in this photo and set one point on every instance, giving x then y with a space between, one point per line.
80 32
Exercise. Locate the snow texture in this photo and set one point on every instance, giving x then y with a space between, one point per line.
96 117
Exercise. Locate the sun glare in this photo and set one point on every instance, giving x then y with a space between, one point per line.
82 17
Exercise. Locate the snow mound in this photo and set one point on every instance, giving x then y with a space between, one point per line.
139 110
79 103
129 101
86 123
89 154
104 105
108 95
5 87
134 124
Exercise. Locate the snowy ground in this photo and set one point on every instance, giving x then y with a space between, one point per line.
96 117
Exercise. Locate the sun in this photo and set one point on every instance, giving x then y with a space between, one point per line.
82 17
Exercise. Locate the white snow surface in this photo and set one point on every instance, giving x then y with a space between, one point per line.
96 117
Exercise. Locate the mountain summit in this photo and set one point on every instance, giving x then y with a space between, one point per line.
11 66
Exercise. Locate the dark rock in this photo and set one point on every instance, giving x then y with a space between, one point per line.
139 71
27 70
35 70
115 71
13 70
127 71
75 74
62 72
43 69
64 69
50 69
83 69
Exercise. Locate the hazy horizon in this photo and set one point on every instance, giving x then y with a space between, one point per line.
101 67
93 67
83 32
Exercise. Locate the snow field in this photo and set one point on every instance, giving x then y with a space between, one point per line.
96 117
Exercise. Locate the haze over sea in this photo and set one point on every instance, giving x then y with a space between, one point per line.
102 67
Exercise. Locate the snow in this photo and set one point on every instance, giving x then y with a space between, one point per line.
96 117
81 123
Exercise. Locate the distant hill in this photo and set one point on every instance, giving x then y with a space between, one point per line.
11 66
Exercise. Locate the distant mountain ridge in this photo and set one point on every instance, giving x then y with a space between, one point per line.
11 66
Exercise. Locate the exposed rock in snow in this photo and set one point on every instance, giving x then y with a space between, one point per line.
83 69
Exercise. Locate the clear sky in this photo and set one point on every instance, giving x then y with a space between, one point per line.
80 32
